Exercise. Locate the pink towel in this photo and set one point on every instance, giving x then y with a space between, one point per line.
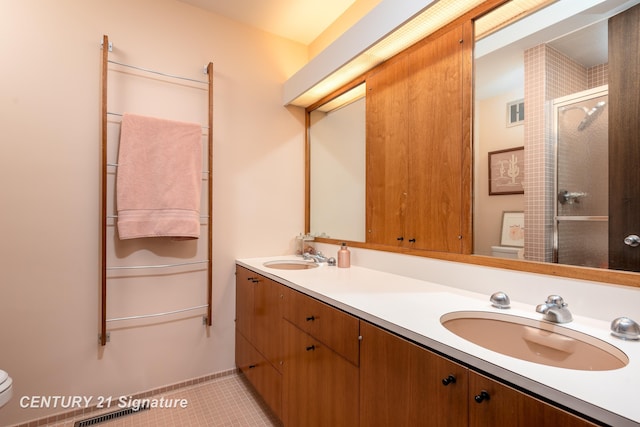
159 178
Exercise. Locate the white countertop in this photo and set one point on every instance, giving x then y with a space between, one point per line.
412 308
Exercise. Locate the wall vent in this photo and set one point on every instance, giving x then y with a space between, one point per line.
111 416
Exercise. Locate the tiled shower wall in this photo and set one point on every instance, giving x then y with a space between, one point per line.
549 74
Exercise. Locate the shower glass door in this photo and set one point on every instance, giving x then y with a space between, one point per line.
582 170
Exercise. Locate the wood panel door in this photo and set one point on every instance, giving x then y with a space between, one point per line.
505 406
387 164
535 413
401 384
436 98
245 282
419 146
624 139
498 407
385 375
320 387
440 388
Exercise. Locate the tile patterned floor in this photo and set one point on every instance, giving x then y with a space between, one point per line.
224 401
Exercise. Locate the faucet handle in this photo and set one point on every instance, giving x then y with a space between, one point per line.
500 300
625 328
557 300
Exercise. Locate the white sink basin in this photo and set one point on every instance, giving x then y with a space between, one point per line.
293 264
535 340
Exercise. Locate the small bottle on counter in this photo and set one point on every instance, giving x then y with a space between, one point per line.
344 257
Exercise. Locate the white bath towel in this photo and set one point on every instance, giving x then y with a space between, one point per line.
159 175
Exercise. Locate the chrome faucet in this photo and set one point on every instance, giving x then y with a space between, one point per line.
555 310
318 257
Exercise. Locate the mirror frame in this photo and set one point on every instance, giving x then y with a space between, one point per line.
615 277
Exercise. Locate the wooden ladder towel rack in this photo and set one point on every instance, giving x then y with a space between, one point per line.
106 47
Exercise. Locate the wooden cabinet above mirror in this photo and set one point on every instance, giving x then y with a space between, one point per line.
417 144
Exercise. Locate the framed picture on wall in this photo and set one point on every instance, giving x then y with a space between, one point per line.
512 230
506 171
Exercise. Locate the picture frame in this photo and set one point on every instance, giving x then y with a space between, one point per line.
506 171
512 229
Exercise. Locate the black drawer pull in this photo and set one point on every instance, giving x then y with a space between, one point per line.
482 396
252 366
311 318
311 348
449 380
412 240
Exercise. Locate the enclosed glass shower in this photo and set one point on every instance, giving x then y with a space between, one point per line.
582 170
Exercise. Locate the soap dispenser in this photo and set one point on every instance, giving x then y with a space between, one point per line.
344 256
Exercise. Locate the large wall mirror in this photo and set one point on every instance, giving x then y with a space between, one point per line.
337 166
541 118
552 68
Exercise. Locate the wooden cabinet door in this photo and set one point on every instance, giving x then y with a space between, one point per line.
506 406
498 408
259 334
267 320
320 387
387 144
385 375
437 85
245 283
419 146
401 384
535 413
439 387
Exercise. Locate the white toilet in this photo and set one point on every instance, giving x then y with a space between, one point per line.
6 391
506 252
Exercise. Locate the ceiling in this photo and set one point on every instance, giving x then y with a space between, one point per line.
503 70
582 37
299 20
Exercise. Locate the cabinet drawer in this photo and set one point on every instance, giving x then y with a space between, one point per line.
336 329
260 373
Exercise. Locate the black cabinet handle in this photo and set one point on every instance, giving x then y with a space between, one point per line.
311 348
252 366
449 380
400 239
311 318
412 240
479 398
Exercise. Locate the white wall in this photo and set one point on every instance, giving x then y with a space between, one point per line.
49 188
492 134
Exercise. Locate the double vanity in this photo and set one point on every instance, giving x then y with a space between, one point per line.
356 346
